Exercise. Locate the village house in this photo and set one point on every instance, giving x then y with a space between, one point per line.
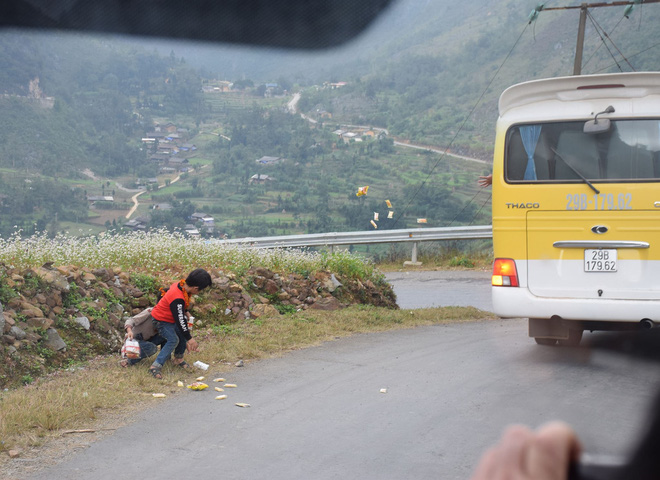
265 160
162 206
260 178
178 162
100 198
138 223
191 230
207 222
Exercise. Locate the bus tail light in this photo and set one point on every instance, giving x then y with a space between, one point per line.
504 273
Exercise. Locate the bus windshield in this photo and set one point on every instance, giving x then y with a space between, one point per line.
560 152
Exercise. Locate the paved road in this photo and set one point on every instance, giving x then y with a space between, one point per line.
442 289
319 413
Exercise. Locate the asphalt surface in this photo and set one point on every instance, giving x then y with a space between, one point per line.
320 413
442 289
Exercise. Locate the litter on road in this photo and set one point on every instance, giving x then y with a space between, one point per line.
198 386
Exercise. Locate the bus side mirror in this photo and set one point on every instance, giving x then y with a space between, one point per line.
599 126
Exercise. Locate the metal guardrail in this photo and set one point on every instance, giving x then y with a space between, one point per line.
365 237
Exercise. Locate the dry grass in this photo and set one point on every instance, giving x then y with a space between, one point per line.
85 397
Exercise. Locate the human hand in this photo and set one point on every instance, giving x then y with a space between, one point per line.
192 345
523 454
129 333
485 180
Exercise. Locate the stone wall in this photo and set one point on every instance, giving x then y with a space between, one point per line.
52 316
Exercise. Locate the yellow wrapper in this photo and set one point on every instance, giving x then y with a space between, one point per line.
421 220
389 204
218 389
229 385
221 397
158 395
219 380
376 216
390 214
374 224
362 191
199 379
198 386
179 383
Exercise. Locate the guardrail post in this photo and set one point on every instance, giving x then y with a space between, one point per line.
414 256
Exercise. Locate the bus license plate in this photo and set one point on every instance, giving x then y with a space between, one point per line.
600 260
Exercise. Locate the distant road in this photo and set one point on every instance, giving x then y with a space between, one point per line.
134 198
427 289
292 106
441 151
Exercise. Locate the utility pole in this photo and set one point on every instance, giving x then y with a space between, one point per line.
577 64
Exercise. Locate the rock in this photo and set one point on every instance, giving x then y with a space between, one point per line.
2 319
264 310
235 287
17 333
9 322
53 278
240 363
8 339
40 322
115 320
30 311
271 287
327 303
54 341
14 453
83 322
142 302
32 337
11 350
264 272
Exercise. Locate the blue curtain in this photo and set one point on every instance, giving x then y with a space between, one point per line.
530 137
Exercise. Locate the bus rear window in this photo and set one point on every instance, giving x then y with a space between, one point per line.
561 152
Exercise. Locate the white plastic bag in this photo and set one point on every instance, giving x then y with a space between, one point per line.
131 349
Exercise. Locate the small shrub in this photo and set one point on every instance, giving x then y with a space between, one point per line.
461 262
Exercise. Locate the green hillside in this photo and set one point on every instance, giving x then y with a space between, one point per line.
75 103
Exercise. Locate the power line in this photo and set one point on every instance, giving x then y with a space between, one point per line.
474 107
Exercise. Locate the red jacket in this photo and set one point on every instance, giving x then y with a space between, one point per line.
172 309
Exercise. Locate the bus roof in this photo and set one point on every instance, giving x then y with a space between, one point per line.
586 88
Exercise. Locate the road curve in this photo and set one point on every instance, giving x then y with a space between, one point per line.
420 403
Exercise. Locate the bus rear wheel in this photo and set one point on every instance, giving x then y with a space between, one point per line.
546 341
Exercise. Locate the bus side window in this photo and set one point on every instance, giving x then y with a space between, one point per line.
580 152
516 157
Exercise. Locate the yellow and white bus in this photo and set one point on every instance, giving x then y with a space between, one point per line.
576 205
